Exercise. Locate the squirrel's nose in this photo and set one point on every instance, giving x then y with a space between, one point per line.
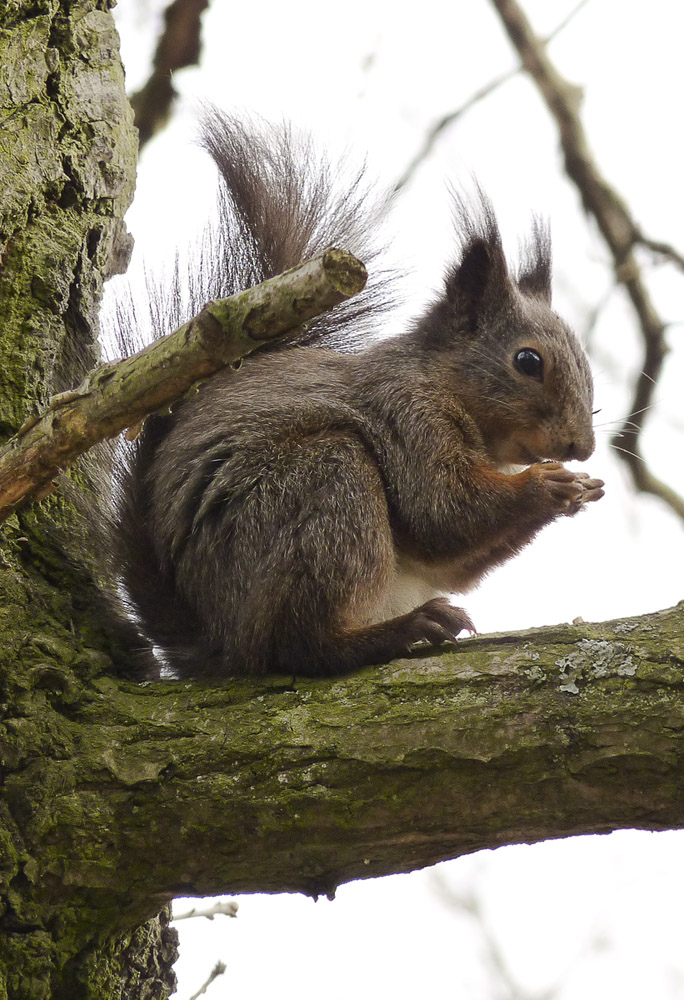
578 450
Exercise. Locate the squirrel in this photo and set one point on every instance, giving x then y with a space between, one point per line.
307 512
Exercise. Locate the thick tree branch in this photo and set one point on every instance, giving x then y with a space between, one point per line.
119 395
617 227
178 788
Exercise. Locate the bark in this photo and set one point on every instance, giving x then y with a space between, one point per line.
122 796
67 161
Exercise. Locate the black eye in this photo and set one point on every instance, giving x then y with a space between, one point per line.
529 362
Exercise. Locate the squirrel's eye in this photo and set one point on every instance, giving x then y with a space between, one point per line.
529 362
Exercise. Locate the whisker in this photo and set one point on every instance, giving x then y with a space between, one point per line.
625 425
626 451
644 409
625 433
625 421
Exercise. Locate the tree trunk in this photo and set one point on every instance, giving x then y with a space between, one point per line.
67 163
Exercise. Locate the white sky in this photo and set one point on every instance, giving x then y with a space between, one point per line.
372 76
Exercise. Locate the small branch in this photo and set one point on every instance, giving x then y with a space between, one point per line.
217 971
229 909
615 222
662 249
468 904
645 481
444 123
179 46
120 395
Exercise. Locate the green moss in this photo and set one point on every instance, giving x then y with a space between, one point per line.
59 231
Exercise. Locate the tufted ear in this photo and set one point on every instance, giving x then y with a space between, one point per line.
480 272
534 272
479 283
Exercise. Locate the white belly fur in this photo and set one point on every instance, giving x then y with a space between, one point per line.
412 584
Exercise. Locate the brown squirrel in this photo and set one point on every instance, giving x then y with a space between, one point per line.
307 513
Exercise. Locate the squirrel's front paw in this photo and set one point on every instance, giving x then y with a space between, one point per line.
569 491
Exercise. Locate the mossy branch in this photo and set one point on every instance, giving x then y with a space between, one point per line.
120 395
186 788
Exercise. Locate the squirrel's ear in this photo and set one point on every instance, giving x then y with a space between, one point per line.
479 280
480 272
479 284
534 272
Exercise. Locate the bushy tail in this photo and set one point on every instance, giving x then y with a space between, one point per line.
280 203
278 206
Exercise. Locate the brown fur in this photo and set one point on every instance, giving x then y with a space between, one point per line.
304 514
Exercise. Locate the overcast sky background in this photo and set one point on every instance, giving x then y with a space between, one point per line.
599 917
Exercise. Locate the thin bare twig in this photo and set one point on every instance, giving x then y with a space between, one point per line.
662 249
229 909
179 46
444 123
467 903
120 395
217 971
470 904
616 224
